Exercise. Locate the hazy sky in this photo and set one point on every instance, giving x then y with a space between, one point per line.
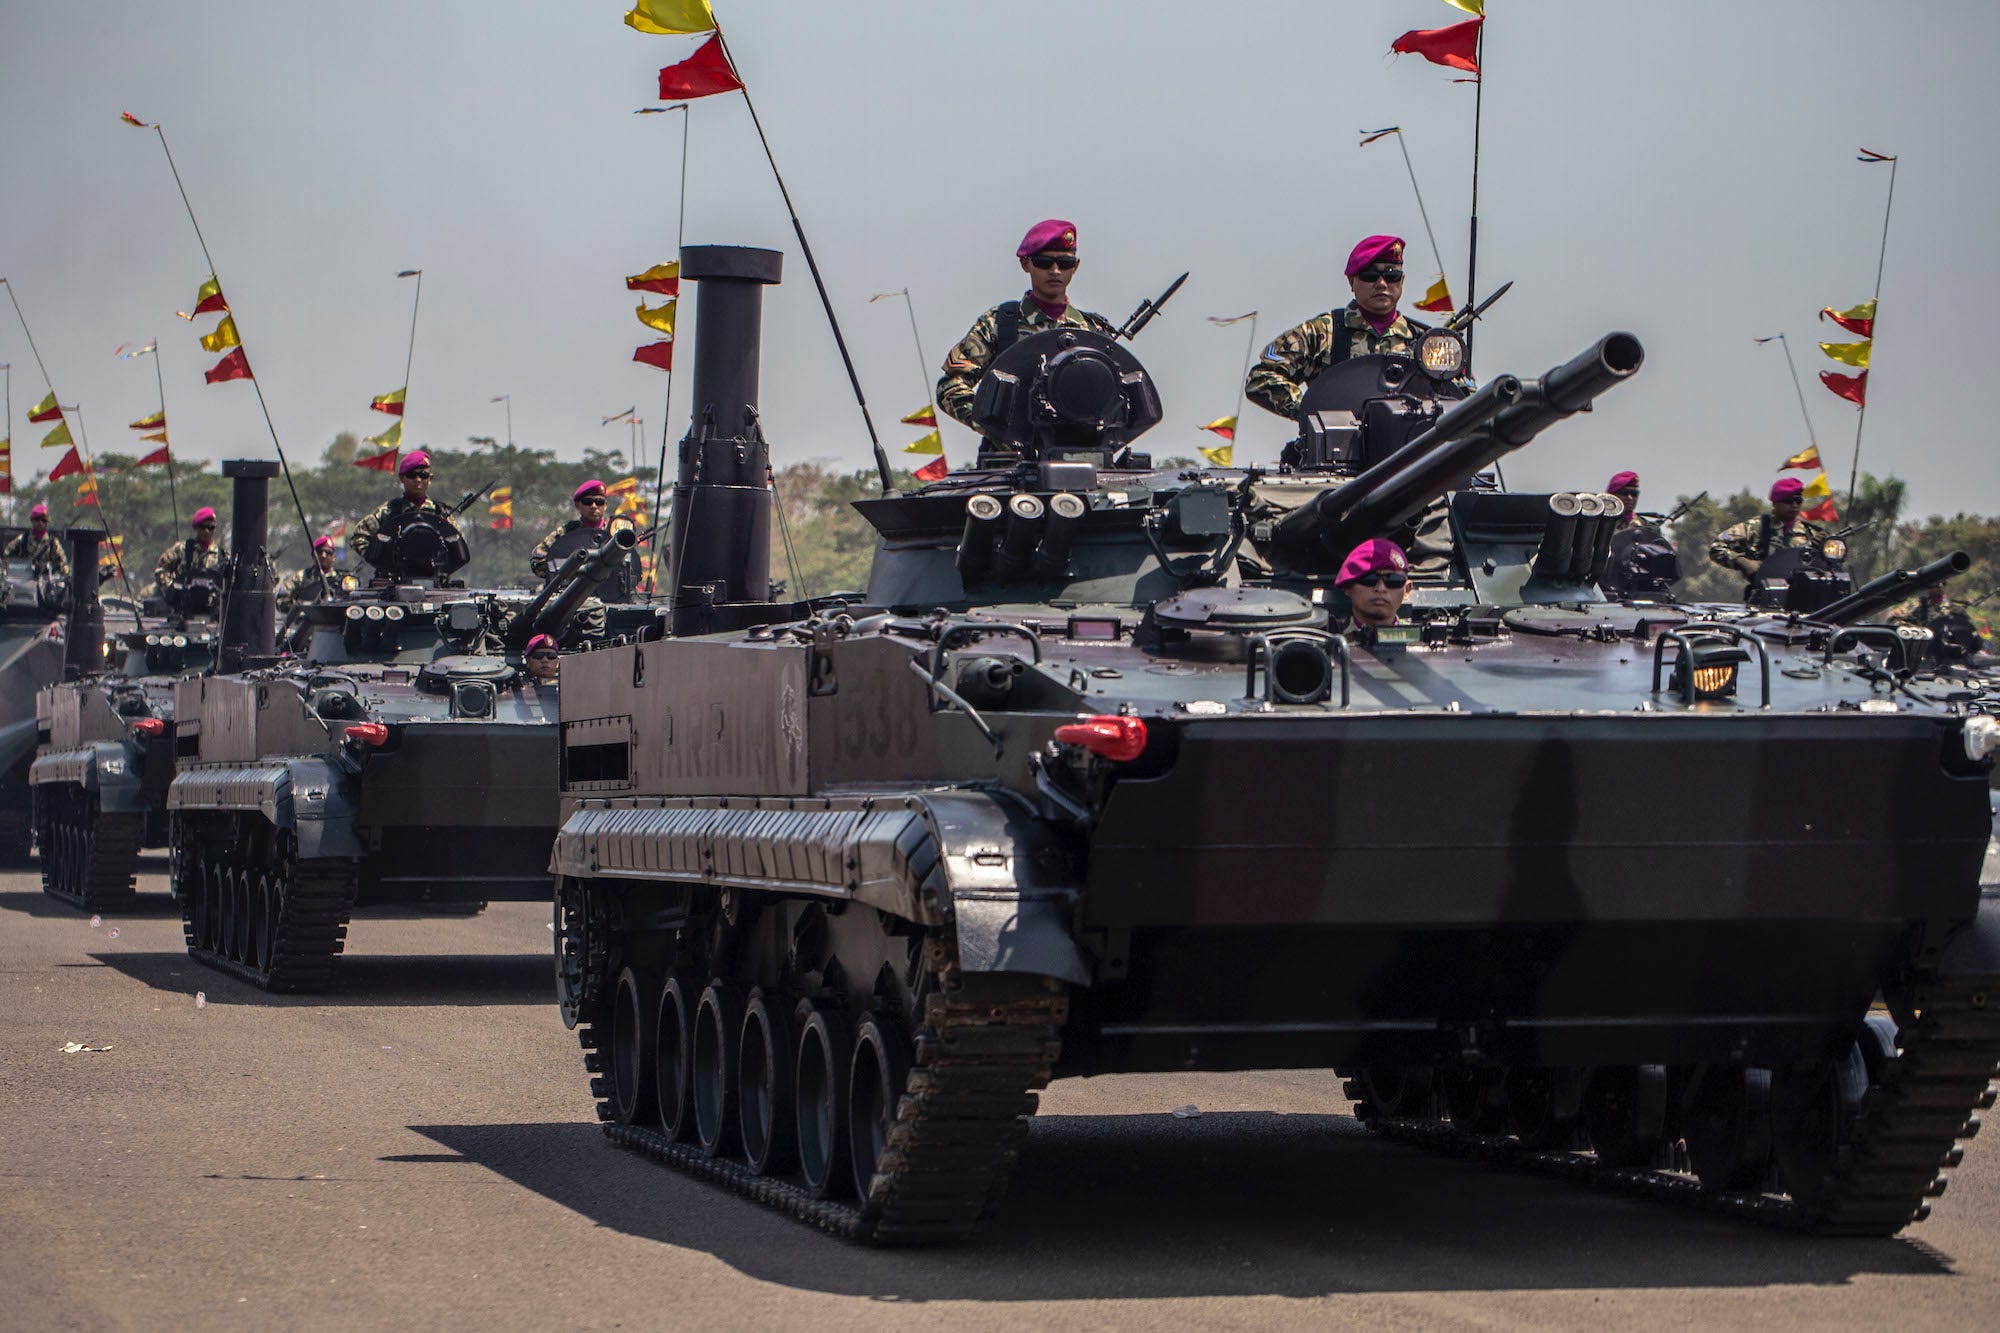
1682 170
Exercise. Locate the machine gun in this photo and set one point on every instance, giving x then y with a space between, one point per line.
1891 588
1143 316
575 579
416 544
1500 417
471 498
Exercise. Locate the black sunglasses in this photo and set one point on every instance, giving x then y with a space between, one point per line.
421 475
1380 275
207 527
596 500
1372 580
544 656
1047 262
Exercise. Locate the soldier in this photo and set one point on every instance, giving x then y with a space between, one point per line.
43 552
304 585
1746 546
415 474
592 505
1376 578
198 554
1048 256
543 659
1366 326
1625 485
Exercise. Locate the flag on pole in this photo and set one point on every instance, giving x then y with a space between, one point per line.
626 415
923 416
1858 320
1455 47
1776 337
336 529
1817 489
126 351
1807 457
86 491
660 279
382 462
6 467
1370 136
391 438
46 410
1438 299
702 74
670 17
623 486
1223 426
1224 321
501 510
932 443
1854 388
389 403
59 438
235 366
935 470
131 119
151 421
223 337
1848 354
70 465
159 455
1221 455
161 436
1469 6
1870 155
660 318
209 298
1823 512
659 355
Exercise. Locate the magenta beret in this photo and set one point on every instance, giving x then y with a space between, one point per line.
539 641
1374 556
1787 488
591 487
1622 481
39 511
202 515
413 460
322 543
1373 248
1048 234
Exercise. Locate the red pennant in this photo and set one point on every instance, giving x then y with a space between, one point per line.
1854 388
212 303
662 286
71 465
235 366
702 74
660 354
1441 306
1456 47
1823 512
385 462
502 524
935 470
53 414
1864 328
158 455
385 406
86 498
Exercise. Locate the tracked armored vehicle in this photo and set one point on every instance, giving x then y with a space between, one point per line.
31 655
105 741
1095 782
402 758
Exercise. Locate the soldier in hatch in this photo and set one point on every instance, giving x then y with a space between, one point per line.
199 553
1368 325
1746 546
415 474
38 546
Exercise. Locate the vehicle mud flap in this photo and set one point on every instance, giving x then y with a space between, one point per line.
1012 887
1974 950
322 809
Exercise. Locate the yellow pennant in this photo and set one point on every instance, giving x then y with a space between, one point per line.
658 317
1469 6
224 335
58 438
389 438
623 486
501 494
1852 354
150 421
672 17
925 444
1817 490
1222 455
1809 457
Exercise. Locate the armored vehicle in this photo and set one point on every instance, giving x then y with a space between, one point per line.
1095 782
402 757
31 655
105 743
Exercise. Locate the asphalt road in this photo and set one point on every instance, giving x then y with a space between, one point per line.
417 1151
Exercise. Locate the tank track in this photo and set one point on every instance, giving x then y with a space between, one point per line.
1917 1108
89 863
315 902
959 1125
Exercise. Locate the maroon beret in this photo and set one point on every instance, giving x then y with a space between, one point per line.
201 516
1787 488
1622 481
1372 248
1377 555
1048 234
591 487
413 460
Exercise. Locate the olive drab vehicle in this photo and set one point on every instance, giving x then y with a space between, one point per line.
32 606
105 739
401 757
1095 782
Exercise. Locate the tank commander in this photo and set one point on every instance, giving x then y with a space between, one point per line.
198 554
1368 325
42 551
302 586
543 659
1376 578
415 474
1047 254
592 505
1625 485
1746 546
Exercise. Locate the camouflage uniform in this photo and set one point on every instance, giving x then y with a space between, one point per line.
357 539
302 586
44 554
183 559
538 559
1756 538
966 362
1279 379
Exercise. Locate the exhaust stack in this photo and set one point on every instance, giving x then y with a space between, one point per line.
83 631
249 628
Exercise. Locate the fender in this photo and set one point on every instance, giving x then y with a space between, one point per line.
109 768
313 798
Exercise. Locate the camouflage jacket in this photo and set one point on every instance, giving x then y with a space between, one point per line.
43 554
302 586
1755 539
538 559
1278 380
185 558
357 539
967 361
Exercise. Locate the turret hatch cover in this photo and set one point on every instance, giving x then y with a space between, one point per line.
1234 609
466 666
1623 620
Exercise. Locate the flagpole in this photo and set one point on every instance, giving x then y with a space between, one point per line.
1436 257
160 378
1243 380
1472 239
1874 329
104 519
1798 388
667 407
7 432
812 265
298 506
410 359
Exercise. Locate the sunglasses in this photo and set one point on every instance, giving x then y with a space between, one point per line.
205 527
1373 580
543 656
596 503
1047 262
1379 275
420 476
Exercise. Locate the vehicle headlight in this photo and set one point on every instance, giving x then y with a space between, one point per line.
1834 549
1441 354
1981 737
112 767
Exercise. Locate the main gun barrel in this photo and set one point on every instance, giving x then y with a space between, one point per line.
1891 588
577 578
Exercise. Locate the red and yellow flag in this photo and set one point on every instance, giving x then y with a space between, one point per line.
159 455
1854 388
70 465
501 510
225 336
702 74
923 416
1858 320
151 421
209 298
86 491
46 410
1469 6
659 355
1438 299
161 436
660 279
6 467
1223 426
235 366
623 486
1221 455
390 403
670 17
1816 490
1808 457
1455 47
